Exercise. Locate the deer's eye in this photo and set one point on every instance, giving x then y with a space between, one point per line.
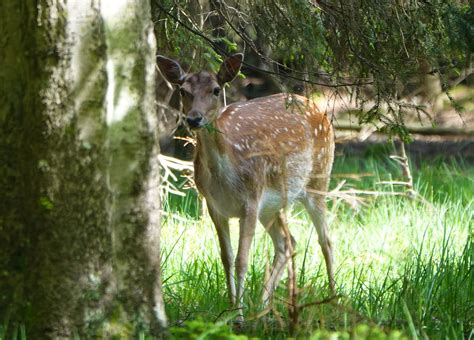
216 91
185 94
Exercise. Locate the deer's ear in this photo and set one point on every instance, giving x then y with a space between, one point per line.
230 68
170 69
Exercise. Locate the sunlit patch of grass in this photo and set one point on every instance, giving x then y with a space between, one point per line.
400 264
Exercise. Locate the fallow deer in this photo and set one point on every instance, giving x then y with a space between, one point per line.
251 160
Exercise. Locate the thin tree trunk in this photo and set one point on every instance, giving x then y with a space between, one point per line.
79 173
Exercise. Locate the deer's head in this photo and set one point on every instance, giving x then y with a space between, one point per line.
201 91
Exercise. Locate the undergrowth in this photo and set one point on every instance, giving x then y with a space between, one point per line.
403 267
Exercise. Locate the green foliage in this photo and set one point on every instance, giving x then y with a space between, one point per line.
386 45
200 330
176 41
187 206
360 332
459 26
386 40
18 332
294 30
46 203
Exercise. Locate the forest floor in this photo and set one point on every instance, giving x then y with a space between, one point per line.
404 267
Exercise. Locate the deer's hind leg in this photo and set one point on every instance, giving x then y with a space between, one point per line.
274 226
315 204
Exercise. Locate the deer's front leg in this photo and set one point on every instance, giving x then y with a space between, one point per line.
227 255
246 234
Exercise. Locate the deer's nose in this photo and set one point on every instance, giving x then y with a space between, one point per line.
194 122
194 119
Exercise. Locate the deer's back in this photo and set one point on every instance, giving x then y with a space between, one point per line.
269 131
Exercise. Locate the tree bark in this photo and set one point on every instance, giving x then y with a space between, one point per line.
79 172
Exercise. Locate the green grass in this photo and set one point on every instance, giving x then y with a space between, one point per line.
400 264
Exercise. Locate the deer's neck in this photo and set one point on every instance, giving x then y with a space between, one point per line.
210 148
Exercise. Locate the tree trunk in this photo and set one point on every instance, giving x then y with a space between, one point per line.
79 172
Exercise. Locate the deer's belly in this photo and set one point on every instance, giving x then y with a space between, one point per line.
272 200
223 187
225 204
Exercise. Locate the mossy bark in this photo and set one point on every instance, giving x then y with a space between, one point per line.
79 216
